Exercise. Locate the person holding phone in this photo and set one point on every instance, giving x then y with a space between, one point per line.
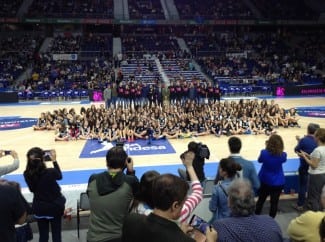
48 202
5 169
169 194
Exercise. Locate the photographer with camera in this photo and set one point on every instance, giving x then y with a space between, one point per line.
48 202
12 167
201 153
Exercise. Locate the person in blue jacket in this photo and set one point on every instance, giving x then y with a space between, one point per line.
271 174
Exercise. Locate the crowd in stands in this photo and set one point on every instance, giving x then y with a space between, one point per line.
65 44
181 120
268 57
212 9
145 9
148 44
72 9
287 9
9 8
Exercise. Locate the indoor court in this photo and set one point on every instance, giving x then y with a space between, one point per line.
77 170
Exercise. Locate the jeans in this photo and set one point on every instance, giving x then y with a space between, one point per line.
44 225
264 191
303 180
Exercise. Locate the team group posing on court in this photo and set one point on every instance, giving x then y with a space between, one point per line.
167 121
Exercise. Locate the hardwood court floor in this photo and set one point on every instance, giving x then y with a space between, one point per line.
68 152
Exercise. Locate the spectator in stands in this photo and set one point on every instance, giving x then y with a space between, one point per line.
110 194
243 223
144 204
12 210
228 171
306 226
307 144
271 174
48 202
249 170
169 194
316 162
5 169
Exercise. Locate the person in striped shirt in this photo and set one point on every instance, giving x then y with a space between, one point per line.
143 203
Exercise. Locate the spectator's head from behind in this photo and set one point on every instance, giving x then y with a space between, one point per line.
116 158
192 146
35 162
320 135
275 144
228 168
241 198
312 127
145 191
169 194
234 144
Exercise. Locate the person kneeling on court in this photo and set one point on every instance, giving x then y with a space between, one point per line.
169 195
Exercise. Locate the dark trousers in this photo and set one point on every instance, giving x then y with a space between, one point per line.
44 226
264 191
315 185
303 180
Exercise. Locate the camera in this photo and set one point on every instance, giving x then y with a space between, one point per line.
47 155
7 152
203 151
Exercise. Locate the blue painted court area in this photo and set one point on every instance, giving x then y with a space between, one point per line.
81 176
16 122
317 111
94 149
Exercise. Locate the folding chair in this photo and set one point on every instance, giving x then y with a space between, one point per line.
82 205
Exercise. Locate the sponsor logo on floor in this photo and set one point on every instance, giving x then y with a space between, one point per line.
318 112
93 148
16 122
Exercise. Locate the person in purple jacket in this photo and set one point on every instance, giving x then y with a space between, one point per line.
271 174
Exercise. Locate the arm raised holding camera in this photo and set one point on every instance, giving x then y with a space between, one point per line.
197 192
12 167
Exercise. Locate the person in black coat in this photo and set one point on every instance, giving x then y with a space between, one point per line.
48 202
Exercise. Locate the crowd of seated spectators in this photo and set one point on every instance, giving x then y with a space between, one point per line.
48 75
149 44
72 8
145 9
65 44
97 46
16 54
286 9
213 9
269 57
9 8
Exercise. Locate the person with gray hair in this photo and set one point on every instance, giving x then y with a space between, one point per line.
244 225
307 144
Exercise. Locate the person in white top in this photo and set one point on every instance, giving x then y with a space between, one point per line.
316 161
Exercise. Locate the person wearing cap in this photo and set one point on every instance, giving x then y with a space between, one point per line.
11 167
306 144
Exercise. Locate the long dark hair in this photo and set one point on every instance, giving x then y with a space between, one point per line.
228 165
35 165
145 190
